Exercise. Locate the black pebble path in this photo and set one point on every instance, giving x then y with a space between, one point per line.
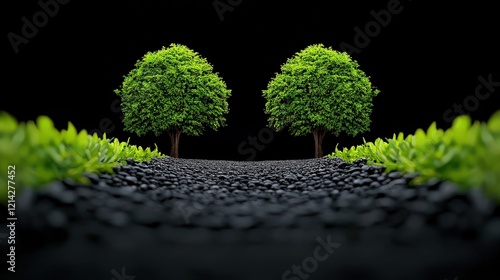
191 219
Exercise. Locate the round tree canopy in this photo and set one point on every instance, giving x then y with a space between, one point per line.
173 89
320 89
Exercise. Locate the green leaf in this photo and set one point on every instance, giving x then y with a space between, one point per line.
8 123
494 122
70 134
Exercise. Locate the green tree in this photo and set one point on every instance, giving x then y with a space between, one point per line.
320 90
173 90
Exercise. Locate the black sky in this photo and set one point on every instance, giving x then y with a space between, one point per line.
427 58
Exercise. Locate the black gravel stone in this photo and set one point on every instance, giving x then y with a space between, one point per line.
66 197
147 217
57 219
421 207
360 161
385 202
480 202
491 230
200 219
119 219
212 222
94 178
444 192
239 222
371 218
394 175
408 194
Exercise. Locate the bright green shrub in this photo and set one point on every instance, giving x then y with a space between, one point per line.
467 154
43 154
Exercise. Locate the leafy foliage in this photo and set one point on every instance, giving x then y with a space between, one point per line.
467 153
320 88
42 154
173 89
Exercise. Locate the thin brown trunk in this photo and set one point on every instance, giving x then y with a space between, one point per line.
175 136
318 135
315 135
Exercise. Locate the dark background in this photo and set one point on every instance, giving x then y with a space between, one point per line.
425 60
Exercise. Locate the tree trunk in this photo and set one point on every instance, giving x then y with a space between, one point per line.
318 134
175 135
